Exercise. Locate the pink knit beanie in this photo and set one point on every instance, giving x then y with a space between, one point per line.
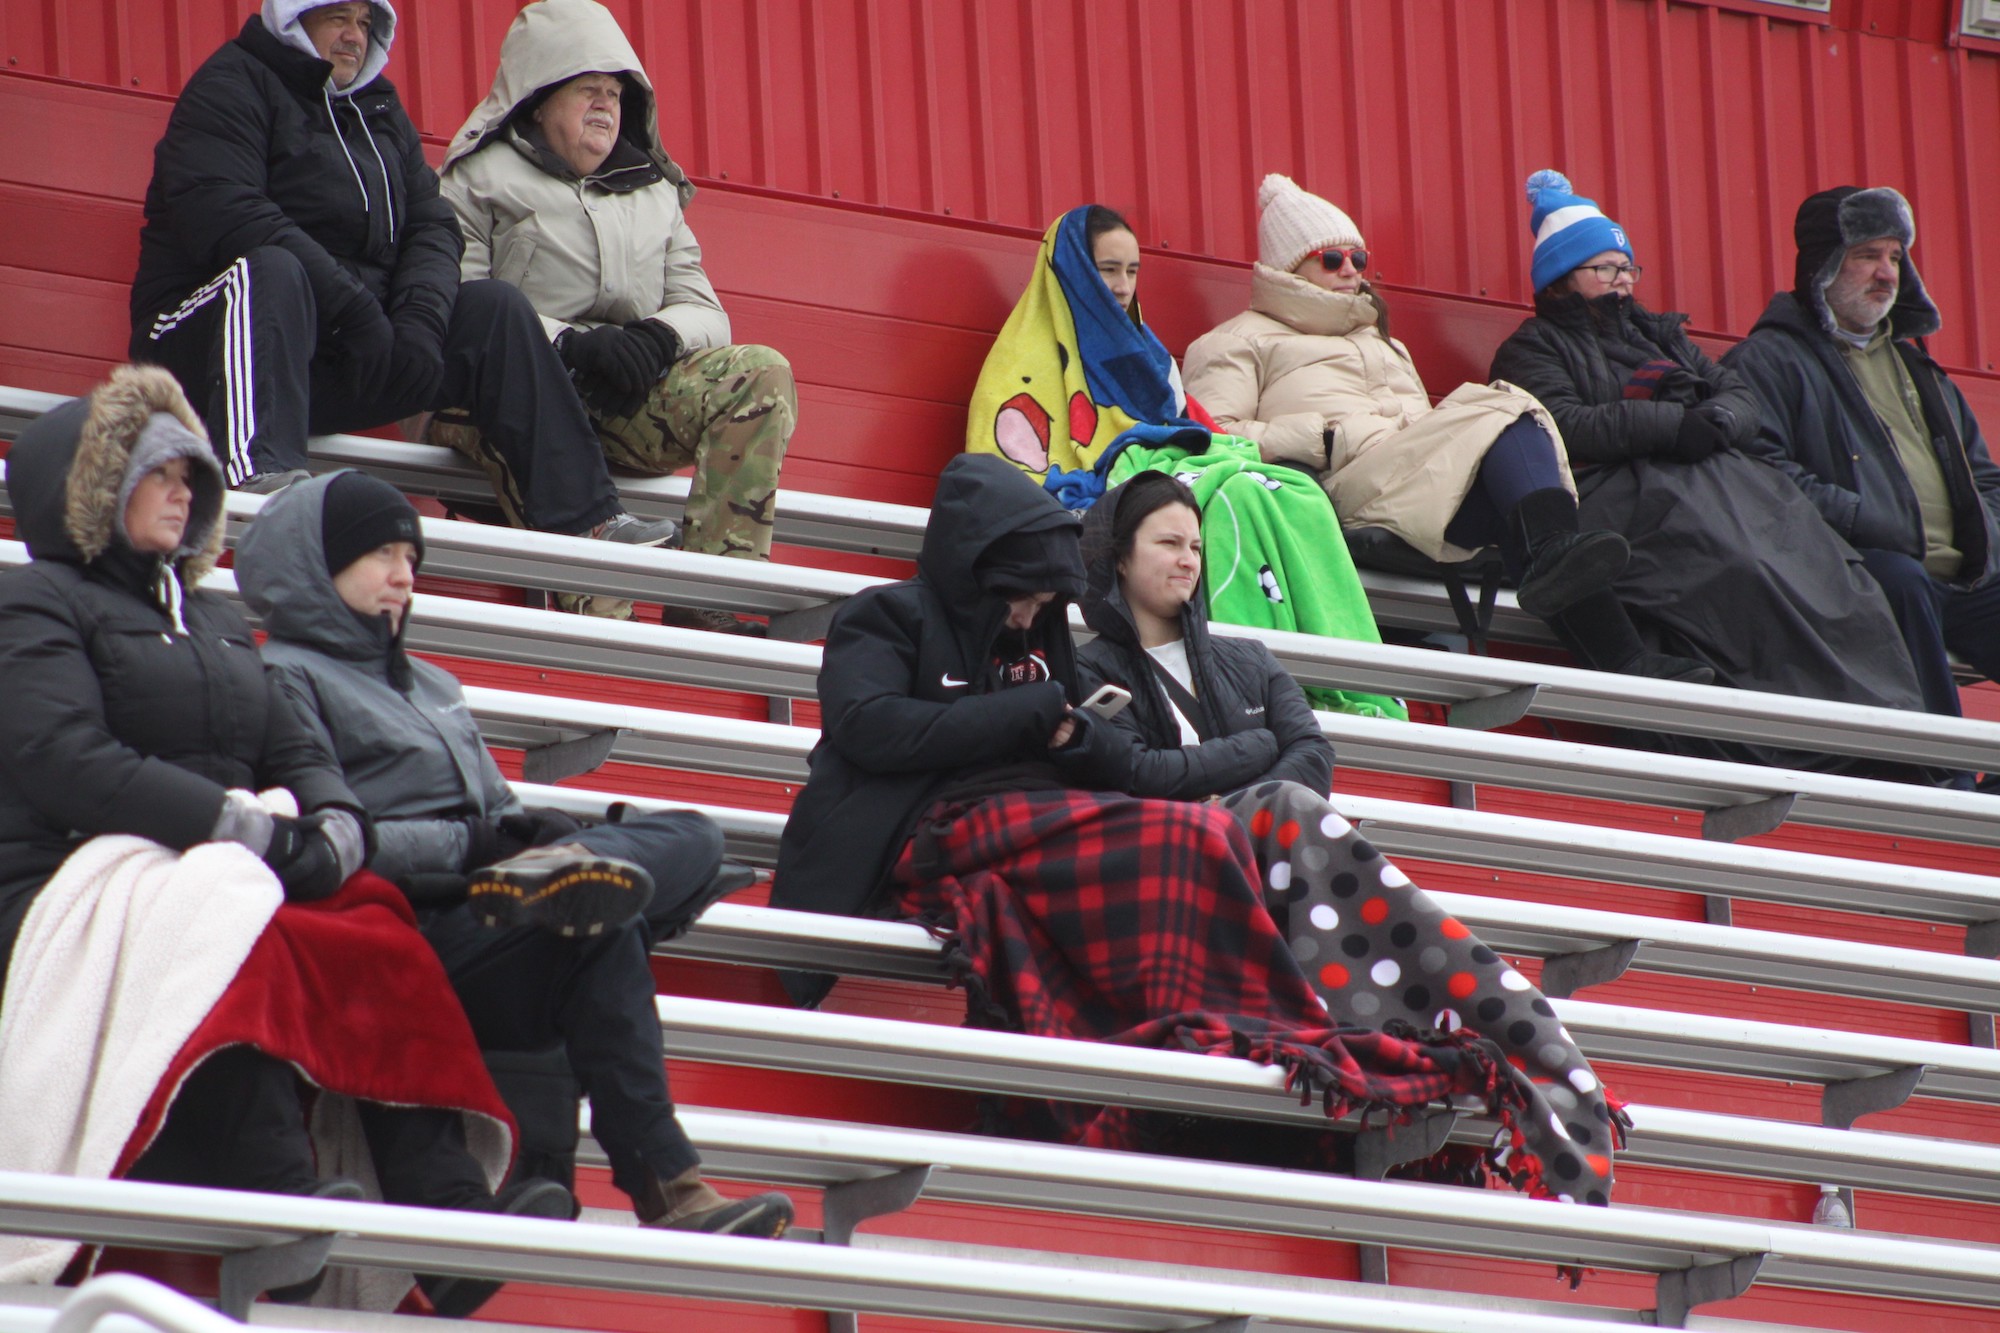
1293 224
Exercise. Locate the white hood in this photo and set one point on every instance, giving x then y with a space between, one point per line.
282 18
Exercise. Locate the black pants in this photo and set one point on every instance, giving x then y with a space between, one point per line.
1937 620
238 1123
1521 461
527 990
245 350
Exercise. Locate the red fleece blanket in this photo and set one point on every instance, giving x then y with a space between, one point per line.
349 993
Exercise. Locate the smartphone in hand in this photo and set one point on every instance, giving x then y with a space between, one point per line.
1108 701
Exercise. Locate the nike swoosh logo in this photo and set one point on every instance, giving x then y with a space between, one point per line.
951 684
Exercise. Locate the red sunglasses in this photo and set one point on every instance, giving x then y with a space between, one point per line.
1333 257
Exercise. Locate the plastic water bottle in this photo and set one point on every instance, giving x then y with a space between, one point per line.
1831 1210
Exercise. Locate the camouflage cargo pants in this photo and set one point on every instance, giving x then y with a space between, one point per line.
728 411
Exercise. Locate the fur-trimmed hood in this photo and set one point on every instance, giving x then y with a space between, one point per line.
1831 223
66 474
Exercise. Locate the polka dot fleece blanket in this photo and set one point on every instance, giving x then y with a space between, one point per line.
1265 928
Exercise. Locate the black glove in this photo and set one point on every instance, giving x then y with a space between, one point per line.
492 839
623 361
1735 430
365 342
416 368
1697 438
303 858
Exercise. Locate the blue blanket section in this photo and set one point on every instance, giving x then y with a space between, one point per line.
1124 363
1081 489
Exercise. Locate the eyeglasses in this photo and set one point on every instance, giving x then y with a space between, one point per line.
1608 274
1333 257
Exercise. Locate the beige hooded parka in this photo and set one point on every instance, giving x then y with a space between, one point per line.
1302 359
608 249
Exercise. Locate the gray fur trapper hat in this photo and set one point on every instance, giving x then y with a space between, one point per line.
1831 223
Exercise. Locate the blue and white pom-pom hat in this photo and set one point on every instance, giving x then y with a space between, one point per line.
1568 229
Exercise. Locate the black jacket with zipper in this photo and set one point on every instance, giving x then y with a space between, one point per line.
259 153
124 714
911 701
1259 726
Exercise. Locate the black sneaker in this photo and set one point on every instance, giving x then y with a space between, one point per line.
563 888
270 483
298 1293
460 1297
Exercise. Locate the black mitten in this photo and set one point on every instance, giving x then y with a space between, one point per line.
303 858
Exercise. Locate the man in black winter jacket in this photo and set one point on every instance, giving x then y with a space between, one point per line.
1876 435
298 271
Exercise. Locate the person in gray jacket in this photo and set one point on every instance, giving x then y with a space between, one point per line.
329 565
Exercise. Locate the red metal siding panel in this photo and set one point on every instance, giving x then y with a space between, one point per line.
1698 125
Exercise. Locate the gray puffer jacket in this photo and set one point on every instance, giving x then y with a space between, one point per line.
405 738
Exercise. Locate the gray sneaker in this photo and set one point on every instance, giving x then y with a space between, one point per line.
270 483
631 530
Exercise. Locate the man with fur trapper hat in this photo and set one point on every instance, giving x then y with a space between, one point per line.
298 271
1857 413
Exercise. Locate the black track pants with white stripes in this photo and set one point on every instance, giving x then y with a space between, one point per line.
245 349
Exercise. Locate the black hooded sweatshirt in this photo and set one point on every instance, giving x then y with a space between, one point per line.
913 696
121 717
1255 718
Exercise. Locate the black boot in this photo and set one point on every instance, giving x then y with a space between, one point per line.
460 1297
1598 631
1557 564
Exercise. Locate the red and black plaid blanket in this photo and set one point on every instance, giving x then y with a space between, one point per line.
1100 916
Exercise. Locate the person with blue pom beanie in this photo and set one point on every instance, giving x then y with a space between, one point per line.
1570 231
1730 565
1311 375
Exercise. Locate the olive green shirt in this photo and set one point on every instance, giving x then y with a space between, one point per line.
1886 381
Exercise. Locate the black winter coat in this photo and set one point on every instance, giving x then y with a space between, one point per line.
257 153
1560 357
1820 430
1259 725
118 720
911 700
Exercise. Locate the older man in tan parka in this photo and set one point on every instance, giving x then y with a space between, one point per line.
563 189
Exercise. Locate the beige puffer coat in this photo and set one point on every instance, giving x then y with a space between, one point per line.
1302 359
604 250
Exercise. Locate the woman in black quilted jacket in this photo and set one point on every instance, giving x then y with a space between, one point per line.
1730 565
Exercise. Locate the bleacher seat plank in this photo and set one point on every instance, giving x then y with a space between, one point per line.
731 1268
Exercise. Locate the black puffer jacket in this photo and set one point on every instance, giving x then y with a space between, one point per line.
1260 727
124 713
257 152
1565 356
911 698
1820 430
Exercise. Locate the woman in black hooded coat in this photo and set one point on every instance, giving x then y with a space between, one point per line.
1730 564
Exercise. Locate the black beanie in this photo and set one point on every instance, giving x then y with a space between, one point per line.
361 513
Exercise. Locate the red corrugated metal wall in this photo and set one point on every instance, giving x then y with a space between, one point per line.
1698 125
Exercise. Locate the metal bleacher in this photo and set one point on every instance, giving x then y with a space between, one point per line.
1693 1258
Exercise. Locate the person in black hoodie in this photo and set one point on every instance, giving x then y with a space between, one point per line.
1871 429
1730 565
298 271
1217 718
956 783
137 704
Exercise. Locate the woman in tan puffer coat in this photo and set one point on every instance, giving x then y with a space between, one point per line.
1310 373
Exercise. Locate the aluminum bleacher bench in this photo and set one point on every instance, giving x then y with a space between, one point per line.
1483 692
1469 837
1015 1064
728 1268
1861 1073
1666 1244
1579 946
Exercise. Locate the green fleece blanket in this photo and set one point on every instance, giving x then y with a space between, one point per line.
1272 553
